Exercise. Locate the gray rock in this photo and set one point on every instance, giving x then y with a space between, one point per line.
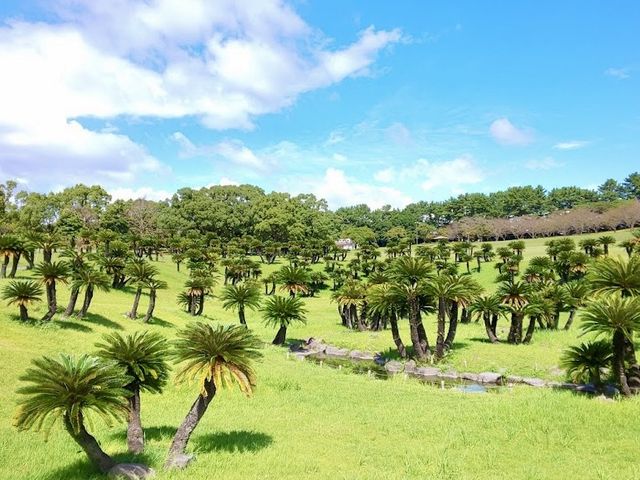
514 379
604 398
448 376
301 355
490 377
315 345
131 471
470 376
611 390
534 382
410 367
357 355
426 372
567 386
394 366
588 388
332 351
180 461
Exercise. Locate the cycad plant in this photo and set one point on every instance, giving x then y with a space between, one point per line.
586 362
281 312
90 279
22 293
294 280
215 357
71 389
49 273
139 272
153 284
239 297
143 355
489 307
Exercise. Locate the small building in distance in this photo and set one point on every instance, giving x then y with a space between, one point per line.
346 244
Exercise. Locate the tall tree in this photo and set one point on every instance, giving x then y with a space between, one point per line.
240 297
281 312
49 273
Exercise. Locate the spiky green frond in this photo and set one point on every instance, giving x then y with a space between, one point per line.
21 292
283 311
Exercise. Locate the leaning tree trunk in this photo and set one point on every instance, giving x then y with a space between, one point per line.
494 323
441 326
3 267
90 445
453 327
200 305
572 314
530 329
14 265
281 336
135 433
241 316
395 333
52 301
422 335
618 362
189 424
88 295
73 298
136 301
511 338
151 307
24 314
488 327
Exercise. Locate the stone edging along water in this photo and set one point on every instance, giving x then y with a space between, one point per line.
316 348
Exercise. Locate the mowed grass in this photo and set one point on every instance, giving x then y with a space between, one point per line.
315 422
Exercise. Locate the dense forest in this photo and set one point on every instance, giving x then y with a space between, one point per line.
246 214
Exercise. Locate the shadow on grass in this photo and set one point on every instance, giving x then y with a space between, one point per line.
162 432
71 325
82 469
101 320
160 322
234 441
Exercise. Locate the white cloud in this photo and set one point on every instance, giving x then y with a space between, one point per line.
619 73
335 136
399 133
233 151
137 193
386 175
340 190
506 133
227 181
571 145
338 157
547 163
224 63
451 174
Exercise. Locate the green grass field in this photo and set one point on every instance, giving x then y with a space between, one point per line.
308 421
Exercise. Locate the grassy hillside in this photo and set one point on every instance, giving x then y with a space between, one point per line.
308 421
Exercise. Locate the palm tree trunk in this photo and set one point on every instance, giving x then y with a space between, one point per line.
415 341
24 314
618 362
281 336
200 305
3 267
572 314
441 326
46 255
73 298
511 338
193 305
243 320
422 334
14 265
136 301
530 329
487 326
90 445
453 326
151 307
494 323
135 433
51 301
395 333
88 295
189 424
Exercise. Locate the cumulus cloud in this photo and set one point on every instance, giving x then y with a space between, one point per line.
146 193
547 163
506 133
399 133
571 145
340 190
386 175
223 63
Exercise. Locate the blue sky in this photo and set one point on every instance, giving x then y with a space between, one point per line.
356 101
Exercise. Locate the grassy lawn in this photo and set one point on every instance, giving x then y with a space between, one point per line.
314 422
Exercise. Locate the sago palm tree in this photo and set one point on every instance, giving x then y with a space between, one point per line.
515 296
139 272
143 355
22 293
90 279
198 288
586 362
239 297
215 357
617 317
615 275
489 307
72 389
349 298
153 284
281 312
49 273
294 280
382 301
577 292
605 241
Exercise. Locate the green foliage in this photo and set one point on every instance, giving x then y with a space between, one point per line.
280 311
21 292
586 362
143 355
72 387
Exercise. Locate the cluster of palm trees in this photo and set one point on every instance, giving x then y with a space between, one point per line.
108 384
